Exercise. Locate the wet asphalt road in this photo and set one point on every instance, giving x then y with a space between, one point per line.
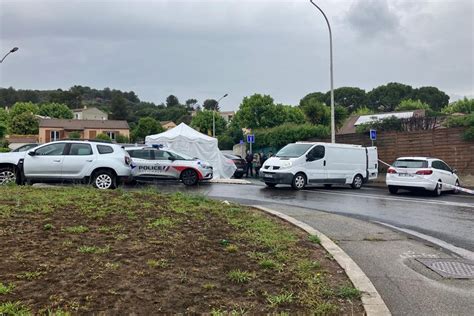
449 218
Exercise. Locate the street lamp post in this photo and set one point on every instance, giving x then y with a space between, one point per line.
333 124
213 115
14 49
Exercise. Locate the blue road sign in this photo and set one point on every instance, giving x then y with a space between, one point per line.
241 142
251 139
373 134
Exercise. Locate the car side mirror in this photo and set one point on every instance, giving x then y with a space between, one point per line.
172 158
32 153
454 171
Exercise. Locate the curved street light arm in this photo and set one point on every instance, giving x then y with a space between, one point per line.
333 125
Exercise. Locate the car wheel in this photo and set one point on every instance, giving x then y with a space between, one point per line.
438 189
456 190
7 175
357 182
392 189
271 185
104 180
299 181
328 186
189 177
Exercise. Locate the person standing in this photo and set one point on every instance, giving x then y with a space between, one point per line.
257 163
249 159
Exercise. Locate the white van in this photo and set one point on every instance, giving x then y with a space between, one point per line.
303 163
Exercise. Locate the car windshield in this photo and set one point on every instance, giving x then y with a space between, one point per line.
410 163
25 148
293 150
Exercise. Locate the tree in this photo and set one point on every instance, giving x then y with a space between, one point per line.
256 111
386 98
410 105
24 124
74 135
190 103
203 121
119 107
225 142
461 106
340 115
172 101
146 126
434 97
350 98
316 112
4 117
319 96
363 111
23 107
211 104
103 136
3 129
56 110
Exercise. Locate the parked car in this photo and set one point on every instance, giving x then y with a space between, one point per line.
25 148
415 173
303 163
149 163
102 164
240 163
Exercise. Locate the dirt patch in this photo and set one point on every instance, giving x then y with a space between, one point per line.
81 250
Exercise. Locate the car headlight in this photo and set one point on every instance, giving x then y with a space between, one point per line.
286 165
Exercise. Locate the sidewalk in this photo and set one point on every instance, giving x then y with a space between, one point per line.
389 259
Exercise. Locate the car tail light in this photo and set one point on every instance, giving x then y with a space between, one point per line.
128 161
424 172
391 170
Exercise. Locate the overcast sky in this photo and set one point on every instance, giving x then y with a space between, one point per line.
205 48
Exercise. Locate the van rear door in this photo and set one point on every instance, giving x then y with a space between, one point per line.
372 163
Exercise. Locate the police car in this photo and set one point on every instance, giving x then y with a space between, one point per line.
150 163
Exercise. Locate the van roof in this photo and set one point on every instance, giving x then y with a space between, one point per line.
330 144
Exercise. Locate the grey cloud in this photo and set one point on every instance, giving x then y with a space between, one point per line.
371 18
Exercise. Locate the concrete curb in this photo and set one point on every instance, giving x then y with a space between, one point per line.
371 299
230 181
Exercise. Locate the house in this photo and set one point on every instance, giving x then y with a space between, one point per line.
353 121
168 124
57 129
90 114
227 115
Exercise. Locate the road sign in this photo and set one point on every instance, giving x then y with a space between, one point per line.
373 134
251 139
241 142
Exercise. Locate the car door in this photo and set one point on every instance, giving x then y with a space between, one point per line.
168 164
450 176
144 165
45 162
78 161
443 174
316 164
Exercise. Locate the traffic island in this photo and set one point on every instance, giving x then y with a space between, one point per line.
82 250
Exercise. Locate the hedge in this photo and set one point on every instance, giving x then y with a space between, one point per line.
279 136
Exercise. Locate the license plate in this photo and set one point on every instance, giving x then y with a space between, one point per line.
266 175
405 175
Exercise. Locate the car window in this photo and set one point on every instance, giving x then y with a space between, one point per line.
163 155
437 165
51 150
293 150
141 154
317 152
104 149
410 163
443 166
80 150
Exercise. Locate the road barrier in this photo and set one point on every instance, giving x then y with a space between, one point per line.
455 187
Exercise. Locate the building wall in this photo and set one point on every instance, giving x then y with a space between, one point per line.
45 132
446 144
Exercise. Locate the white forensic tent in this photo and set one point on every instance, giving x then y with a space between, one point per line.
186 140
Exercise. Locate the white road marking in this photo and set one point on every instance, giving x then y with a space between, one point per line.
398 199
466 254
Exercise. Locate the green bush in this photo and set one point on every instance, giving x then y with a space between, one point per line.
74 135
4 150
388 124
288 133
462 106
463 121
121 139
225 142
410 105
103 137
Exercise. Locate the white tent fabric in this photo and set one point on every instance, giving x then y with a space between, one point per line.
186 140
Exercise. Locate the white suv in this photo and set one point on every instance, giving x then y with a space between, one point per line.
411 173
102 164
